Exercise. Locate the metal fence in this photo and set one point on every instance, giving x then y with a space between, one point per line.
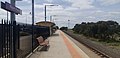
9 39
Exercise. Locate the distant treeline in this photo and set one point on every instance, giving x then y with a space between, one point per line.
105 30
64 28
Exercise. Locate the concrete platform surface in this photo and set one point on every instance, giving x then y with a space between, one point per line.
60 47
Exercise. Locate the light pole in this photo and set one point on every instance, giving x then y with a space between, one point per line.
46 9
7 15
32 23
68 23
27 16
51 18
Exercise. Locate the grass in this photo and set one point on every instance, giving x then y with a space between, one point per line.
110 43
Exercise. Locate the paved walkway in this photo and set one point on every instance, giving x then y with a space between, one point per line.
60 47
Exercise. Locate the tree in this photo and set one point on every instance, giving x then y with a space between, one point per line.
64 28
102 29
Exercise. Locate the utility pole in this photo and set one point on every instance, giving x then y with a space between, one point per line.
26 20
45 13
68 24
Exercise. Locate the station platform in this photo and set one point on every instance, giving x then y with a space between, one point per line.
60 47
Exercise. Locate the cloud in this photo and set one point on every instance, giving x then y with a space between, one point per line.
3 14
82 4
39 6
72 8
109 2
90 17
49 0
28 1
118 13
76 11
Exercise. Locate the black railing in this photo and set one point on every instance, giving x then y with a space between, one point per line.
9 36
13 34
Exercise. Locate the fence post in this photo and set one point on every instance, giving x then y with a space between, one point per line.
10 38
14 39
18 36
2 39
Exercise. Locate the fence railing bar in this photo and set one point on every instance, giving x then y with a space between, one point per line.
7 38
2 38
10 39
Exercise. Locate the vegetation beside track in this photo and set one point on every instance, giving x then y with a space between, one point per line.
105 32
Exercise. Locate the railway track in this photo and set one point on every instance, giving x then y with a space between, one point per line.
101 51
101 54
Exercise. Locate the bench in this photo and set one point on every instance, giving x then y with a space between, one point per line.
43 44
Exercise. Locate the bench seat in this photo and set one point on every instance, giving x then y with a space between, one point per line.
43 44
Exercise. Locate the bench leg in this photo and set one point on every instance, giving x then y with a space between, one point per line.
45 48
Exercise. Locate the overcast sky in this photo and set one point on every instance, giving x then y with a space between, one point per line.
76 11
